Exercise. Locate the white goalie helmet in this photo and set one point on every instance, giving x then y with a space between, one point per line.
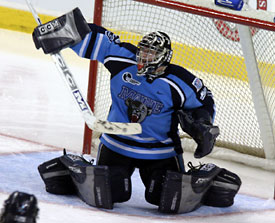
154 51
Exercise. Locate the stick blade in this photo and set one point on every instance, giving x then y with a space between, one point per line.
116 128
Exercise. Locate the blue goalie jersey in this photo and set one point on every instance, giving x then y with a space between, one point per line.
134 99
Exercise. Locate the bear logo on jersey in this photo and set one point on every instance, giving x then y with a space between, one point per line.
137 111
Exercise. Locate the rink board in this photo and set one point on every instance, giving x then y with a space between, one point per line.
18 171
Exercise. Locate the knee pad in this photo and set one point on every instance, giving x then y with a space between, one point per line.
154 187
121 186
92 182
223 189
56 177
184 192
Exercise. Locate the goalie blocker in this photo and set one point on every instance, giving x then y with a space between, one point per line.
62 32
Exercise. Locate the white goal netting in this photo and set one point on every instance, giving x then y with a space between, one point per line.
210 48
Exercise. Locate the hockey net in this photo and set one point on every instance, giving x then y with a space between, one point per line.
206 41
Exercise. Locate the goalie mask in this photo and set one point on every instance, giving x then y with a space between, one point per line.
154 51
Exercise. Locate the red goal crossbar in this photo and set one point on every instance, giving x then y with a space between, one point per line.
213 13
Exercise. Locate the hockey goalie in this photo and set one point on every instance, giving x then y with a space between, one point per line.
146 88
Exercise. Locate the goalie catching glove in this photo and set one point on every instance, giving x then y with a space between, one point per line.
64 31
198 124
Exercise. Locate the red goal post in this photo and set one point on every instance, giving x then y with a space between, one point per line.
215 44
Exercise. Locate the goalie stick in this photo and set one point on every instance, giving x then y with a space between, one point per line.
87 114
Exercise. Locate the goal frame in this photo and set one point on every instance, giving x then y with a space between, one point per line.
261 20
91 92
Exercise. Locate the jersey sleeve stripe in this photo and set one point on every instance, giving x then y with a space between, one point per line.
91 45
177 88
98 46
119 59
84 45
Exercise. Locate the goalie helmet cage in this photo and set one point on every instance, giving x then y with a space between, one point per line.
230 50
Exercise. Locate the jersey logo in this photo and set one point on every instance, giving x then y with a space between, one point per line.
127 92
49 27
197 83
112 37
128 78
203 93
208 167
137 111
